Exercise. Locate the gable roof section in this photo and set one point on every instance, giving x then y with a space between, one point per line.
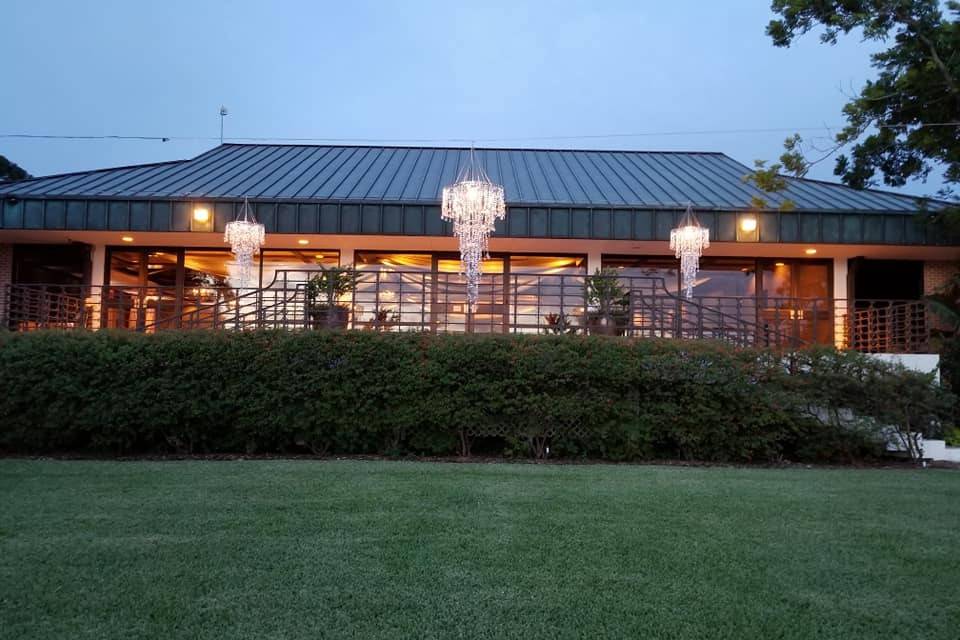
416 175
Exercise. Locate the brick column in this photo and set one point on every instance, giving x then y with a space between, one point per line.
937 275
6 279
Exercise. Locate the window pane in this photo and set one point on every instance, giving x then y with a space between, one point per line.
281 268
545 292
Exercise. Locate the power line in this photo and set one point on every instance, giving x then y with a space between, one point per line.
644 134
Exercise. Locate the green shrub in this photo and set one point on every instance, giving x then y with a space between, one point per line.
952 437
369 392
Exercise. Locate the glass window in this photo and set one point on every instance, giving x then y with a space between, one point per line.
280 268
653 274
143 289
394 291
726 277
542 293
369 260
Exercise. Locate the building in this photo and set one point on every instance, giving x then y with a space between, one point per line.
141 247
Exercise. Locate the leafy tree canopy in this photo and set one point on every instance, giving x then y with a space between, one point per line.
905 122
10 171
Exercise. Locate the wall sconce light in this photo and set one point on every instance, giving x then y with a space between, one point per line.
747 228
810 252
201 220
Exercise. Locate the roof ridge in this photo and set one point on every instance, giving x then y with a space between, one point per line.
435 147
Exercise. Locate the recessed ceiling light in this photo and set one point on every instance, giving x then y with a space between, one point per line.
127 238
811 251
319 256
303 241
779 264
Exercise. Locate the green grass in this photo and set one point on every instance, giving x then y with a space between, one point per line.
301 549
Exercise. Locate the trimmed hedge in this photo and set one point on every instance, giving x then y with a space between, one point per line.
397 394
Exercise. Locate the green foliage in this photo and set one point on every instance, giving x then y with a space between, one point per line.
11 171
368 392
896 122
771 179
952 437
606 301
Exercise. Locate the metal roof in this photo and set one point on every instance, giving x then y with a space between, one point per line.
416 175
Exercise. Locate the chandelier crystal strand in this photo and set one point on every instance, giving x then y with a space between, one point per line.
689 240
473 204
245 236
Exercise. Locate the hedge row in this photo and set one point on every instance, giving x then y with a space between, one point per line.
398 394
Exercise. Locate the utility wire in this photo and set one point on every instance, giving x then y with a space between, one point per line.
644 134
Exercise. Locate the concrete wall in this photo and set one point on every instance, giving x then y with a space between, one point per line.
922 362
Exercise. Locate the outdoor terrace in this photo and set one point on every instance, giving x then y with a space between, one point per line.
434 301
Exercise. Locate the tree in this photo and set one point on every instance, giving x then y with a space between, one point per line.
905 122
10 171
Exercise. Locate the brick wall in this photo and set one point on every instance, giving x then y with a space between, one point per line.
6 277
937 274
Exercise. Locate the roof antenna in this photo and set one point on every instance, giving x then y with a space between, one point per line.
223 114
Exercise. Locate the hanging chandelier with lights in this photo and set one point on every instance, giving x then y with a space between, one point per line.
245 236
689 240
473 203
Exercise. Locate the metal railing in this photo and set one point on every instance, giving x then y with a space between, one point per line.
508 303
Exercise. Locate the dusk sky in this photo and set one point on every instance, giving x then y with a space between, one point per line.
502 73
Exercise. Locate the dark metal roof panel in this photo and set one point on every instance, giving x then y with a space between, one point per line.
418 174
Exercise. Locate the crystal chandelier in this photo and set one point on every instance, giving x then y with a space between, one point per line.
245 236
688 241
473 204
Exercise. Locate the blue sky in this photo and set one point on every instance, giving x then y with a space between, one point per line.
411 70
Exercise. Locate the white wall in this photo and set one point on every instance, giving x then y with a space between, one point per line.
922 362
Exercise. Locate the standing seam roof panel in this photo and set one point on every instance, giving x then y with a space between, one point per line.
215 165
692 190
334 173
223 182
674 195
641 196
608 189
305 182
261 181
380 184
285 186
417 175
398 184
659 195
352 184
154 185
705 178
571 180
539 177
82 181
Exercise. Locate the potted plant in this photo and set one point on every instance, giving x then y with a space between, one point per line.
558 323
383 320
324 292
607 303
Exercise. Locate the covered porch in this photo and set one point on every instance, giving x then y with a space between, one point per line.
780 296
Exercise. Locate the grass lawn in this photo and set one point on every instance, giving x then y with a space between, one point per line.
301 549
